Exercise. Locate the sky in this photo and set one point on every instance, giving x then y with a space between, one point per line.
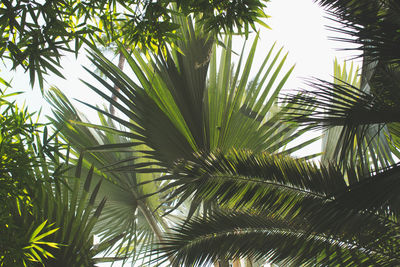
297 25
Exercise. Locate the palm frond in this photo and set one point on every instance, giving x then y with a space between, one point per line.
64 201
394 130
341 105
179 112
127 214
169 110
281 186
348 145
362 117
371 25
75 213
238 235
352 213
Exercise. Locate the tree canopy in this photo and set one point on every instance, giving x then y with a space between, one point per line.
35 34
197 166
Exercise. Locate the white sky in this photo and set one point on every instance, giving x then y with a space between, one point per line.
298 25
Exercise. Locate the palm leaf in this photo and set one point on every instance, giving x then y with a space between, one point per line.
371 25
357 109
239 235
283 186
127 213
364 145
178 112
169 111
316 201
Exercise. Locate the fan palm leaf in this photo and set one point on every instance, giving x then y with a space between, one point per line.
127 213
195 115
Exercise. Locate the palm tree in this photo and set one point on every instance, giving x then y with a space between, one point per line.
267 205
127 213
181 101
43 220
297 212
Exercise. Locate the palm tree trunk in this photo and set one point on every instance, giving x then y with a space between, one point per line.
121 62
153 223
151 220
236 263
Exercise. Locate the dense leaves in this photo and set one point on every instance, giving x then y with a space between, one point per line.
35 34
285 210
181 101
262 196
127 214
20 242
45 218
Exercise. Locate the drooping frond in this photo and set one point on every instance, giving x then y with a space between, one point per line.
276 240
282 186
355 214
361 115
373 27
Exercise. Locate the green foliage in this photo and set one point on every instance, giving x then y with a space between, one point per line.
229 16
70 205
368 111
36 241
19 243
181 101
130 211
17 133
177 110
296 213
371 25
286 211
353 120
371 148
35 34
43 218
